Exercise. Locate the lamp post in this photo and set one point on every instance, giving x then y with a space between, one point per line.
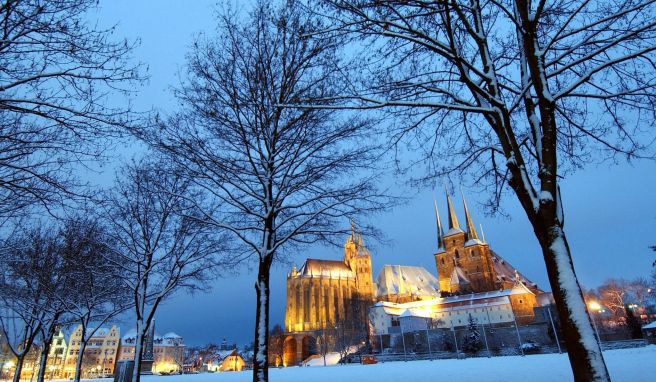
405 355
595 306
430 354
553 327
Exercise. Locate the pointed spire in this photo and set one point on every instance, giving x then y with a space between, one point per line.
453 218
440 233
482 233
471 228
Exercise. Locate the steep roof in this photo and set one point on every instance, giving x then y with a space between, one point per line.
325 268
406 280
458 277
650 325
506 272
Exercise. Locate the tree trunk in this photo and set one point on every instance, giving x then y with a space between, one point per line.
47 343
19 367
261 357
583 350
138 349
80 358
43 361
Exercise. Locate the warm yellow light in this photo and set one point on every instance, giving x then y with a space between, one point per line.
594 305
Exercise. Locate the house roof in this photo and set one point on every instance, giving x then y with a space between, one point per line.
325 268
406 280
506 272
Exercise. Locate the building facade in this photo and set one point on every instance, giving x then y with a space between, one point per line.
323 292
100 353
168 351
57 356
506 306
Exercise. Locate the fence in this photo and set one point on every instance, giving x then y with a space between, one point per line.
487 341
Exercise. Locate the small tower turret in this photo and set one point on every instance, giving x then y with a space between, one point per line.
440 232
453 218
471 228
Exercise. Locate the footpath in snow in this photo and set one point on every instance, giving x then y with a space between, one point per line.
630 365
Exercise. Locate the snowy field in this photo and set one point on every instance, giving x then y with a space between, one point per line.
634 365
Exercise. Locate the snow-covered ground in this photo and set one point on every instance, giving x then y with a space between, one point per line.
631 365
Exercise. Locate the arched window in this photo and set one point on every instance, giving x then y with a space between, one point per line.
317 302
299 297
306 305
457 254
336 303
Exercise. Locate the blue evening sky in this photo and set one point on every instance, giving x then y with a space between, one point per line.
610 209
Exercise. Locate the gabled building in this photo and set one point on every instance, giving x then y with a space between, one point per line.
168 351
100 353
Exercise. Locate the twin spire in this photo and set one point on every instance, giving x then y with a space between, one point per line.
454 225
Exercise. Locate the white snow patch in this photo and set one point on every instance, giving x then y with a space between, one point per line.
546 196
576 305
635 365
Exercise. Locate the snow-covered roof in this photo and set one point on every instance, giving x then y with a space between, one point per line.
650 325
406 280
325 268
166 340
458 277
506 272
453 231
473 242
484 298
428 308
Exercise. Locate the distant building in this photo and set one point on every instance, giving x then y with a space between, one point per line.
168 351
57 356
471 280
224 360
323 292
320 291
100 353
495 307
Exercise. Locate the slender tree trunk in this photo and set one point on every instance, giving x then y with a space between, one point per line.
261 358
43 360
47 344
80 358
19 366
583 350
138 350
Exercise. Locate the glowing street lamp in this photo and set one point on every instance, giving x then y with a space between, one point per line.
594 305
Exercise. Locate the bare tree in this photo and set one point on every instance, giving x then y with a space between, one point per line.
32 276
276 345
511 95
350 332
160 244
613 295
282 177
326 340
96 292
57 73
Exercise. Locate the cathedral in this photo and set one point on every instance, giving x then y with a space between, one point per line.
470 278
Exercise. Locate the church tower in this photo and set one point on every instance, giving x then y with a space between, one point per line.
358 258
463 261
